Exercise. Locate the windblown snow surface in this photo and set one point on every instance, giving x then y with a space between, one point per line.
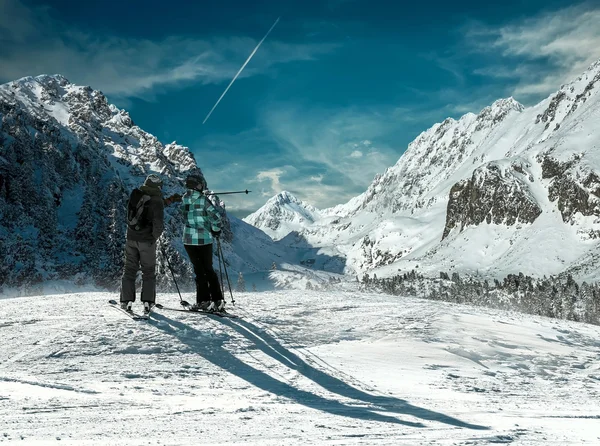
298 367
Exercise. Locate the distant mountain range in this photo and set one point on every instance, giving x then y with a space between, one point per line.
511 189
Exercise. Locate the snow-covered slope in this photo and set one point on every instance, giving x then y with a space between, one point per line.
68 160
298 368
282 214
509 190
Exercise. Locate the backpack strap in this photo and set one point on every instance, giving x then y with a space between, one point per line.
136 218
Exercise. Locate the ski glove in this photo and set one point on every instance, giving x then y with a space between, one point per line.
175 198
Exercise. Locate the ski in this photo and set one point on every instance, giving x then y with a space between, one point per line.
208 313
136 317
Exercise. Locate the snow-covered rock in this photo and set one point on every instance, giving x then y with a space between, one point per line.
496 193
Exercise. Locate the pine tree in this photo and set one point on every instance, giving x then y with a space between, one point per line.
86 226
366 279
241 283
114 244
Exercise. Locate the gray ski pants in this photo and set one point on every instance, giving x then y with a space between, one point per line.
139 254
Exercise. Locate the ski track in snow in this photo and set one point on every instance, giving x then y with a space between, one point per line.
296 368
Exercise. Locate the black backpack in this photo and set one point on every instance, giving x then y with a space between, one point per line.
137 210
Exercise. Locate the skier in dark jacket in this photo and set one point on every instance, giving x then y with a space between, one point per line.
140 249
202 222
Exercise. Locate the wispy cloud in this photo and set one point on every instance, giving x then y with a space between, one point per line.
273 177
528 58
540 53
345 146
448 64
244 160
323 156
32 42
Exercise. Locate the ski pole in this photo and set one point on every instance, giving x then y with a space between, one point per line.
183 302
225 268
226 193
220 270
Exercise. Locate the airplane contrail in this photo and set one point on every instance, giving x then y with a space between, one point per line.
240 70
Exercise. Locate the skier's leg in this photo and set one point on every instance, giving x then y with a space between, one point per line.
132 264
148 262
211 275
202 293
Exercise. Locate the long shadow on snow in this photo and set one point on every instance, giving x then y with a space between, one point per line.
271 347
215 353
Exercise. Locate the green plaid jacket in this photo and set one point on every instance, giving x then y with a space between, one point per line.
200 217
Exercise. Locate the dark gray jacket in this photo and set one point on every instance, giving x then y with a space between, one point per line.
154 215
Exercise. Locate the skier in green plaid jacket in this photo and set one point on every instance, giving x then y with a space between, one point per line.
202 223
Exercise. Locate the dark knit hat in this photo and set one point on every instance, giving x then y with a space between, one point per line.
153 180
195 181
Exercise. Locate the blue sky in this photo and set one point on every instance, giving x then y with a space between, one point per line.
332 97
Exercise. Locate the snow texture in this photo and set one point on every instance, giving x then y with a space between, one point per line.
297 368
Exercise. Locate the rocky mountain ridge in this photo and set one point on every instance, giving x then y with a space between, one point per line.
68 160
483 193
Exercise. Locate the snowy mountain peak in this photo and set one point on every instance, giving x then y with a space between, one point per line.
88 114
283 214
591 71
42 79
490 116
285 197
507 104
